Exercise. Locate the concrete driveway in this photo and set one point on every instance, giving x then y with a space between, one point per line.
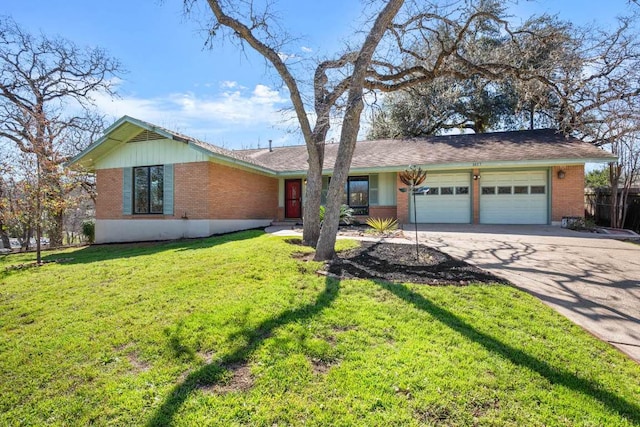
593 281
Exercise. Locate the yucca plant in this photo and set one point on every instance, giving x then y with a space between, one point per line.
382 225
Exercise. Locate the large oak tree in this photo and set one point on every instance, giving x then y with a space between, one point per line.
405 44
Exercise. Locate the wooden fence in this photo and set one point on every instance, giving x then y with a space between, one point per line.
597 206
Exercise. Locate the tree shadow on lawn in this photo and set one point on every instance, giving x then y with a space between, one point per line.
553 374
111 251
211 374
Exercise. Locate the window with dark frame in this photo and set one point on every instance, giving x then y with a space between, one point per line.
356 194
148 190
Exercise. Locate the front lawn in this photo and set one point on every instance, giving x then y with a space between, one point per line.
233 330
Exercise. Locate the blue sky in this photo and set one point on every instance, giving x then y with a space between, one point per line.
220 95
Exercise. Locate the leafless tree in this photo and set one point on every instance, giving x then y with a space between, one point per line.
599 94
42 80
408 43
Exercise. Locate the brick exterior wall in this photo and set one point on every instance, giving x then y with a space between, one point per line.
475 189
191 190
402 200
567 197
238 194
383 212
109 189
202 190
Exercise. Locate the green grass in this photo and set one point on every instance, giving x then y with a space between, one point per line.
234 331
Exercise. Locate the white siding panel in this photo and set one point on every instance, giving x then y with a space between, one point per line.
147 153
387 189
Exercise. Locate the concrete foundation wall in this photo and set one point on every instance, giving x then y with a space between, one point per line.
137 230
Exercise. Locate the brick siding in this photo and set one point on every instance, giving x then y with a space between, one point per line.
567 197
109 189
202 190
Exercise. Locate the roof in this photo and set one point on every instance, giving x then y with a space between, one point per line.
542 146
532 147
128 129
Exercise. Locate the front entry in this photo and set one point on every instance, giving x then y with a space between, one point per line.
293 198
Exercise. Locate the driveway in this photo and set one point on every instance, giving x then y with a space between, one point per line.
593 281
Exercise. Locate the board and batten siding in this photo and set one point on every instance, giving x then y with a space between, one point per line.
386 189
149 153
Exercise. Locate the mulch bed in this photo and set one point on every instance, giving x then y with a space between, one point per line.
394 262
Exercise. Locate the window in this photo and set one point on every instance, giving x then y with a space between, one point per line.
148 190
445 191
488 190
356 194
504 190
520 189
462 190
433 191
537 189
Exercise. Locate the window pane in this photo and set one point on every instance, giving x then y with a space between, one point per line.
520 189
359 191
504 190
537 189
462 190
141 190
488 190
433 191
156 189
446 190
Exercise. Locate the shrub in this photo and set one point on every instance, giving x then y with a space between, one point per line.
89 231
382 225
346 214
582 224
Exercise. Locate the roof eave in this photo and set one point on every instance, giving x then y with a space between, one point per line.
466 165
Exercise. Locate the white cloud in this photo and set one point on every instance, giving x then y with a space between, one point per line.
306 49
228 84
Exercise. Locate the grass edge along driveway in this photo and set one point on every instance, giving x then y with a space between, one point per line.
232 330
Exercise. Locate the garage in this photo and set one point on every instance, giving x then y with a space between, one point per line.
514 197
447 202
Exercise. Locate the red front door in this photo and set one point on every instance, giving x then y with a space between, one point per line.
293 198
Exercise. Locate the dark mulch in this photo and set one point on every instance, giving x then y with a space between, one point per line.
393 262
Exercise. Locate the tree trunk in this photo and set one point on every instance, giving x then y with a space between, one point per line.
312 201
325 250
55 230
4 237
614 178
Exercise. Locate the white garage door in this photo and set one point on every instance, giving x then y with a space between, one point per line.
448 200
514 197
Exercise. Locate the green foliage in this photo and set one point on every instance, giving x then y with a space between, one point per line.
382 225
346 214
582 224
233 330
89 231
597 178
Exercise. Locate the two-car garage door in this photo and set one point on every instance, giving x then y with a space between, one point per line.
510 197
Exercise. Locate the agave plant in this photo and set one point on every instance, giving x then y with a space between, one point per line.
382 225
346 214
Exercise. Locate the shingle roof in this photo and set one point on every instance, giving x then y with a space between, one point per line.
532 145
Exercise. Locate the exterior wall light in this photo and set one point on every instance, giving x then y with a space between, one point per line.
561 174
476 177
